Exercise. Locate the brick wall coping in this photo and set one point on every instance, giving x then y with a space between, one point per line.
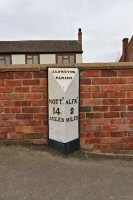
81 66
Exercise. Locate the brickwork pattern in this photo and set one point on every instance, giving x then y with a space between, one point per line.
23 107
106 107
106 110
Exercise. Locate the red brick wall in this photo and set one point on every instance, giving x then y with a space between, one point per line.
23 107
106 123
106 106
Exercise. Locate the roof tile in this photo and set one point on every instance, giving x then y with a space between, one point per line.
40 46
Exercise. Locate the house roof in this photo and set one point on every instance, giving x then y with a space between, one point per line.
41 46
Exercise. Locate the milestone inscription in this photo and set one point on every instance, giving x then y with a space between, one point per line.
63 89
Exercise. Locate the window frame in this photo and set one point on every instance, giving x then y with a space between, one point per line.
62 55
26 55
4 55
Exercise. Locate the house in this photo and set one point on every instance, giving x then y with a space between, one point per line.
42 51
127 50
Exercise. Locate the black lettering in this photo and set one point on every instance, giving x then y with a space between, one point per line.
67 119
56 110
55 101
71 111
63 72
76 118
71 101
70 119
56 119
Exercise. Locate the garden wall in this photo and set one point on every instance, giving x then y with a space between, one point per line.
106 105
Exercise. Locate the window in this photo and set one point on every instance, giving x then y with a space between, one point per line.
130 58
5 59
32 59
65 59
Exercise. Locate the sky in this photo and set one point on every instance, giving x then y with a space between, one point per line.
104 24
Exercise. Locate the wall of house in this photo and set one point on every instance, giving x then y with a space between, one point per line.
18 59
106 106
47 58
79 58
44 58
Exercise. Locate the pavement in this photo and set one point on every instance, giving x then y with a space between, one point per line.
45 174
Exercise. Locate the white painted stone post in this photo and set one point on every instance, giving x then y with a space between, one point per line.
63 101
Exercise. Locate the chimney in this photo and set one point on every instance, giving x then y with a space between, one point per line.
80 36
125 49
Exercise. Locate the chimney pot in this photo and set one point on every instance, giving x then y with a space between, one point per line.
80 36
125 49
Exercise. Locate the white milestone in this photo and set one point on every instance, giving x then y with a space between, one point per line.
63 100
